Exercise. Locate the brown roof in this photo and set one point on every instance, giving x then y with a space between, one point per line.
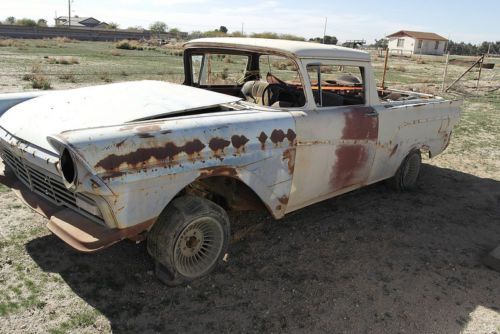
419 35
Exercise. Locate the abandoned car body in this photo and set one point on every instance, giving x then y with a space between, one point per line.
269 123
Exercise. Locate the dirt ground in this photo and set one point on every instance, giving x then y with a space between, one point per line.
371 261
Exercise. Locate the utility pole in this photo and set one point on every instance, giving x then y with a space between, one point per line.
324 31
69 14
242 31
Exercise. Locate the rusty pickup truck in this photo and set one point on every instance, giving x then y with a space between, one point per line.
257 124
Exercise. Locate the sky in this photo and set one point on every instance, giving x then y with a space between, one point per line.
458 20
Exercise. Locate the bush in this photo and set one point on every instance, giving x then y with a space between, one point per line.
129 45
399 68
63 40
64 61
68 77
40 82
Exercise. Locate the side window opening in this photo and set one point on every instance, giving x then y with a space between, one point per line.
211 69
278 83
337 85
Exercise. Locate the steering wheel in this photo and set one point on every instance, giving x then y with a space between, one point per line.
283 90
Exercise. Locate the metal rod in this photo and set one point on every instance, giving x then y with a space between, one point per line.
468 70
320 91
445 70
69 14
385 67
324 31
481 67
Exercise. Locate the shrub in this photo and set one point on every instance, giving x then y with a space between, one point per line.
63 40
399 68
64 61
40 82
105 77
129 45
68 77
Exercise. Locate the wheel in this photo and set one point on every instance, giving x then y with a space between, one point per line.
189 239
407 174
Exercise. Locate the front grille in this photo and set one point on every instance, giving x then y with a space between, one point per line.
48 186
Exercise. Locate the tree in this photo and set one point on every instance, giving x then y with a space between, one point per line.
223 29
135 28
41 23
26 22
10 20
332 40
113 25
158 27
381 43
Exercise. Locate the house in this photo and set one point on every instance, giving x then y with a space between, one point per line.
80 22
416 42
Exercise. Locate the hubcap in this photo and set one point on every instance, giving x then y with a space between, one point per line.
198 247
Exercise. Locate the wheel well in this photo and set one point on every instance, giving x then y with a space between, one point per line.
228 192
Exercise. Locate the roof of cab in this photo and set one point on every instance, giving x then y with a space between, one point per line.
293 48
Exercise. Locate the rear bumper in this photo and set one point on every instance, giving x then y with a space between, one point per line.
79 232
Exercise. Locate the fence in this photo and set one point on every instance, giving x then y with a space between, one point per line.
82 34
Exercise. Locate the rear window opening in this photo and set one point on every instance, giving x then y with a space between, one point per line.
337 85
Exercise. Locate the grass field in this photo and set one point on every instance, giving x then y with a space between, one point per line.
369 261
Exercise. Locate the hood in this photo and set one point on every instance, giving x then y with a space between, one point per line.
104 105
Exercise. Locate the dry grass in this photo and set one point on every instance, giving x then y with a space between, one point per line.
64 60
11 42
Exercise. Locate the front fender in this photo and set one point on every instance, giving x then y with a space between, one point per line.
146 164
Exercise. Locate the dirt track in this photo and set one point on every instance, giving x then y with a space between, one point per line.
370 261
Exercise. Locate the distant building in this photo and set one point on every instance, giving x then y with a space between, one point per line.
417 42
80 22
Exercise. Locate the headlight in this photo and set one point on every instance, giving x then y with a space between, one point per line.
68 167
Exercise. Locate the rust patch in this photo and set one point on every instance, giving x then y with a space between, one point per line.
262 138
290 135
217 145
283 199
141 156
145 135
120 143
394 150
277 136
148 128
358 125
239 141
348 171
217 171
289 155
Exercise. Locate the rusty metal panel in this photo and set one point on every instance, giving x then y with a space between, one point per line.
146 164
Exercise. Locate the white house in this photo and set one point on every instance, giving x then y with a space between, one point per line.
416 42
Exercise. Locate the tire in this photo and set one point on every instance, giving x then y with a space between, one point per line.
407 175
189 239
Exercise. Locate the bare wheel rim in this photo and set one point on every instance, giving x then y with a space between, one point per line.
198 247
411 169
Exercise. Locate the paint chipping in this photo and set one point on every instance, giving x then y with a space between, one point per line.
350 166
262 138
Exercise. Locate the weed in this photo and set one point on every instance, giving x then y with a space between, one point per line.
68 77
105 77
64 61
129 45
80 320
399 68
39 81
63 40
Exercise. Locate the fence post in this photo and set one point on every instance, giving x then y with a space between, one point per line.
445 70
